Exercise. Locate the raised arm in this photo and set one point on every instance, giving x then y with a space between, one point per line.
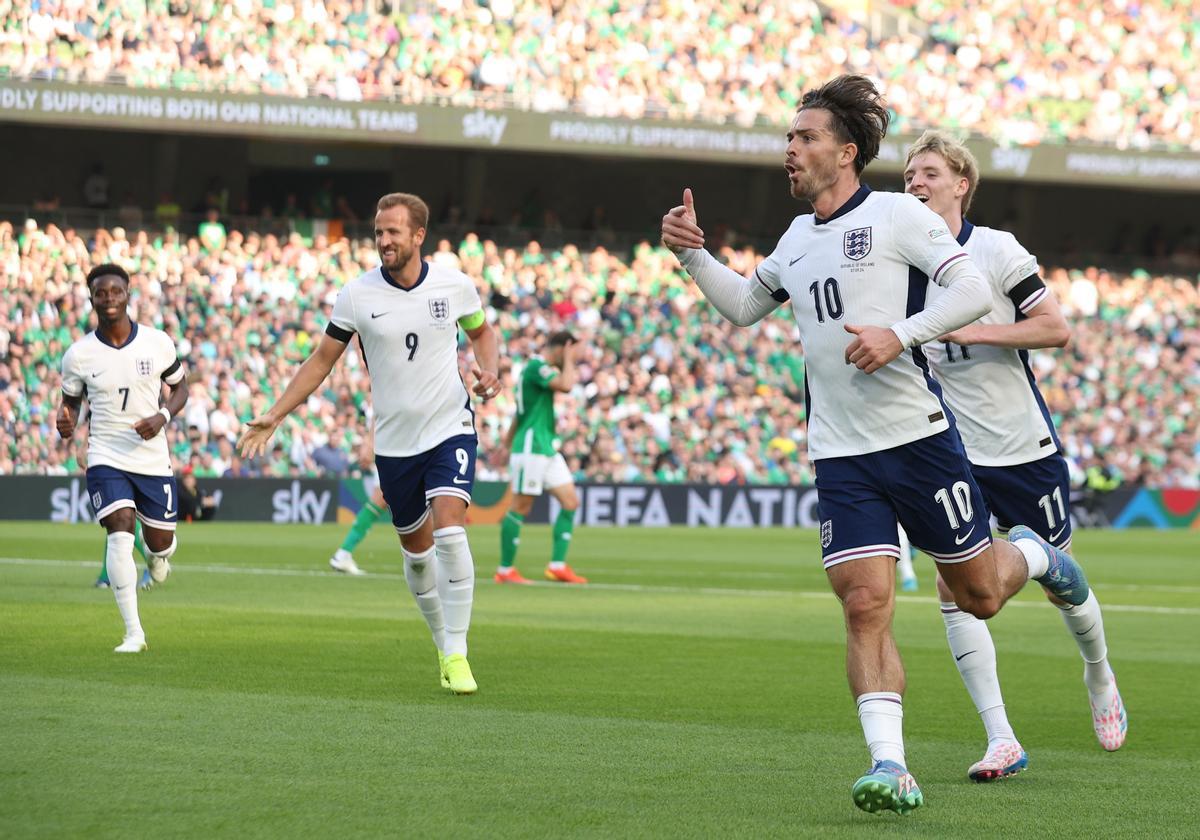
311 374
741 301
569 376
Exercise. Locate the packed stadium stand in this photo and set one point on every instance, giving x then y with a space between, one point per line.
670 392
1023 71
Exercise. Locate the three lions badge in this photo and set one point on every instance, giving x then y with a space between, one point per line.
856 243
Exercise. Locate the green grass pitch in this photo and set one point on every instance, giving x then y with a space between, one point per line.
695 690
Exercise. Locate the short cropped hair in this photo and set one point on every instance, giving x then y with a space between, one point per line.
857 114
560 339
105 270
956 154
418 210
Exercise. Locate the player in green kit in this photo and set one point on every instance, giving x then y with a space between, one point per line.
535 462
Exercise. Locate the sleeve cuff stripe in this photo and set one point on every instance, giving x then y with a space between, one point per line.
338 333
1033 300
943 266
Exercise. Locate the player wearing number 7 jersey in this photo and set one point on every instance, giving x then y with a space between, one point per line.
407 314
121 368
883 442
1010 440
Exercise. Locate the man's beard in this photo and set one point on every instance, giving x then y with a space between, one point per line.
399 258
815 181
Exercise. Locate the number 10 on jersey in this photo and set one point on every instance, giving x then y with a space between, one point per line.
828 290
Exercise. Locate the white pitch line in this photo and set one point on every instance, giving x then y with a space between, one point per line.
613 587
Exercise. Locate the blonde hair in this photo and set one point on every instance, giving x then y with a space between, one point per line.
418 210
956 154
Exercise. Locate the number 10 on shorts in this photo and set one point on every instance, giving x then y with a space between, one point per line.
960 493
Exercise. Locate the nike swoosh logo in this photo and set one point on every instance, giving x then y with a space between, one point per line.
375 315
426 592
1085 632
461 481
1057 534
964 537
94 375
802 256
169 513
959 658
452 580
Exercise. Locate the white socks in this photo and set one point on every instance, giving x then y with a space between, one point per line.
975 656
1087 628
455 585
882 717
1035 557
122 577
905 564
420 570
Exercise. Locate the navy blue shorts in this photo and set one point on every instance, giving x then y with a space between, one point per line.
1037 495
409 483
926 486
155 498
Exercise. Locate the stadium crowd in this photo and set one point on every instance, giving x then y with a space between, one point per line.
669 392
1023 71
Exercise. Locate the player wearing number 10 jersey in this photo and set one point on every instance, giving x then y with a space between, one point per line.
121 368
1010 441
407 314
856 272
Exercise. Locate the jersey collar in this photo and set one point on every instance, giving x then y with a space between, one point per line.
965 233
858 198
132 336
420 279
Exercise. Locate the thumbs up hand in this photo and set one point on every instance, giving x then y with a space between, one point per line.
679 227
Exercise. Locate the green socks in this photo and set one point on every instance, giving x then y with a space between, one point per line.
367 517
510 538
139 542
564 523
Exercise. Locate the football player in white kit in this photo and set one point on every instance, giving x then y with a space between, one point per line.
1010 440
121 367
882 441
406 314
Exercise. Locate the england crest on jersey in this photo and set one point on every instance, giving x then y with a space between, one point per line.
826 533
856 243
439 308
145 367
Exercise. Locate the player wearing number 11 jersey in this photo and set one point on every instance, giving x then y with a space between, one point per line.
856 273
407 314
1010 440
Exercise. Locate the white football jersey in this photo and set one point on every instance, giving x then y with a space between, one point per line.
992 391
122 386
867 264
410 346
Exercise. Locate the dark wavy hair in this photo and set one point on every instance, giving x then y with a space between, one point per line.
857 114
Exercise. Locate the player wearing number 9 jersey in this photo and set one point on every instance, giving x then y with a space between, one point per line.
1010 440
883 442
407 314
121 368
